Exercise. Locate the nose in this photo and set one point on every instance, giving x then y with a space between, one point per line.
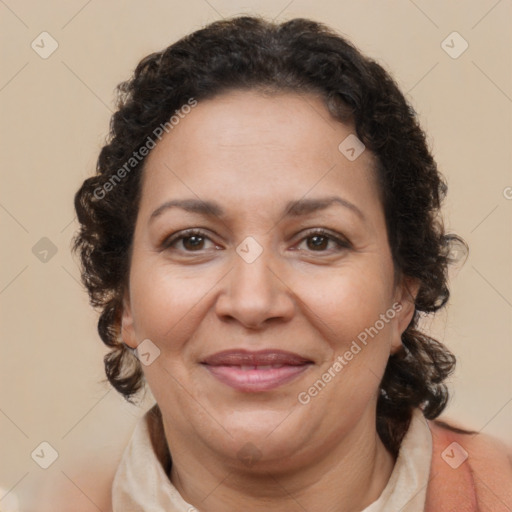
255 295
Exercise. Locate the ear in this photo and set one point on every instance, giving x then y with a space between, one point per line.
406 293
127 323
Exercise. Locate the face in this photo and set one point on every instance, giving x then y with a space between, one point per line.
262 275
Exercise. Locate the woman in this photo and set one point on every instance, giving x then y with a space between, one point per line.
261 237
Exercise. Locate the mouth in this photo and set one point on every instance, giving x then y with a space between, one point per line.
253 372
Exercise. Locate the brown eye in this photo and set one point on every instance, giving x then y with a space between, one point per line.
193 243
188 241
320 240
317 242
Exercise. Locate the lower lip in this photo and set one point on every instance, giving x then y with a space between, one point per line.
253 381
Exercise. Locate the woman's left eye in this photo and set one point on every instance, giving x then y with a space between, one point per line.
321 241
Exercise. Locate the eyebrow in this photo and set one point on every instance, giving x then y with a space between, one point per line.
296 208
306 206
206 208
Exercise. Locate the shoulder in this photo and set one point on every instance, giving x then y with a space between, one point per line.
479 447
468 469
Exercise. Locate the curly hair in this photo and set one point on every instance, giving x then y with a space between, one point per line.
298 56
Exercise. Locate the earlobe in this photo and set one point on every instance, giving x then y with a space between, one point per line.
127 324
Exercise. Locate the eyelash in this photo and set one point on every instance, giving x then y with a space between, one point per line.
188 233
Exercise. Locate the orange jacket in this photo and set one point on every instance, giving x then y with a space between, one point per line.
470 472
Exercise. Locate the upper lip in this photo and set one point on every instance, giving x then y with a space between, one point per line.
242 357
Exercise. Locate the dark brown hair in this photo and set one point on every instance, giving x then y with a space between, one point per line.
295 56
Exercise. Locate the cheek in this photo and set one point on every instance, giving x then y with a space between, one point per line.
167 308
347 301
346 309
167 305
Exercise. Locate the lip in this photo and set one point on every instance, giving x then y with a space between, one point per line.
257 371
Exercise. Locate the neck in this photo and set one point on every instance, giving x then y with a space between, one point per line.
346 477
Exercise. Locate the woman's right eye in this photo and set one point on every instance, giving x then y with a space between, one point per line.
188 241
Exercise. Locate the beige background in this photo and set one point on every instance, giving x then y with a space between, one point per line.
54 116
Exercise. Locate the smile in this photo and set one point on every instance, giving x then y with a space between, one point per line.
253 372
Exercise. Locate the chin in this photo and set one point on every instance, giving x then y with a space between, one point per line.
267 444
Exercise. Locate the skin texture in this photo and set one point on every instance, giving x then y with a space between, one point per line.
252 154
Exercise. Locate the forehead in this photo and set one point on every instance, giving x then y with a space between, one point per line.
248 146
